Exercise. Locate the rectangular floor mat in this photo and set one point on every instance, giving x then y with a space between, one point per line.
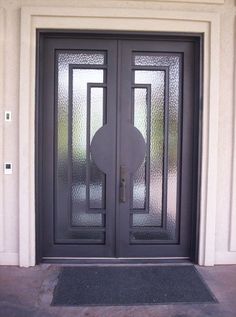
130 285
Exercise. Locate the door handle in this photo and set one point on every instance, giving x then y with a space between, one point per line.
123 183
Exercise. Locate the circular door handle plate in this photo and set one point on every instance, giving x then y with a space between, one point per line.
103 148
134 147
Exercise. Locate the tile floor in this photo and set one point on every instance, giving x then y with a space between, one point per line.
28 293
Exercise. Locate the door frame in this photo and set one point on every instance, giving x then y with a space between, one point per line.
34 18
197 40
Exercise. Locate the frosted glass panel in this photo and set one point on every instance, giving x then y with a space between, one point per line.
64 59
150 235
80 125
140 121
156 79
96 177
81 110
161 211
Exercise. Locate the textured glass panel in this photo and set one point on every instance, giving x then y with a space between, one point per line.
62 143
74 133
153 219
81 77
139 188
158 60
83 237
90 235
65 59
173 146
140 121
157 80
97 178
150 235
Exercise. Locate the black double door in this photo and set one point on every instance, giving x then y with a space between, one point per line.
117 145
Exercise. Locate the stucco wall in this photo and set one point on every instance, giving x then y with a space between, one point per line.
225 247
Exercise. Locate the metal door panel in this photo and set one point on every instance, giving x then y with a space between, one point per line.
78 99
157 97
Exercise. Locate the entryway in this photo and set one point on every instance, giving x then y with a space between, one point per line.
117 153
29 292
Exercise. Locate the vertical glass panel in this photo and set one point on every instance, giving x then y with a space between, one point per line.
173 127
162 210
96 177
80 150
156 79
139 188
80 113
140 121
64 60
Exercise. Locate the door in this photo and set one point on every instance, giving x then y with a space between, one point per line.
116 146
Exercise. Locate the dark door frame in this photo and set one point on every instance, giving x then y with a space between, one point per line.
197 39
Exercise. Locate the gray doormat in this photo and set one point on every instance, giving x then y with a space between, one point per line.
130 285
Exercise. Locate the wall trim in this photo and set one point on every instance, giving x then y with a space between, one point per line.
2 32
193 1
232 235
9 258
225 258
127 19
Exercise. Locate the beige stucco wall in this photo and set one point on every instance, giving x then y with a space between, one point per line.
225 247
